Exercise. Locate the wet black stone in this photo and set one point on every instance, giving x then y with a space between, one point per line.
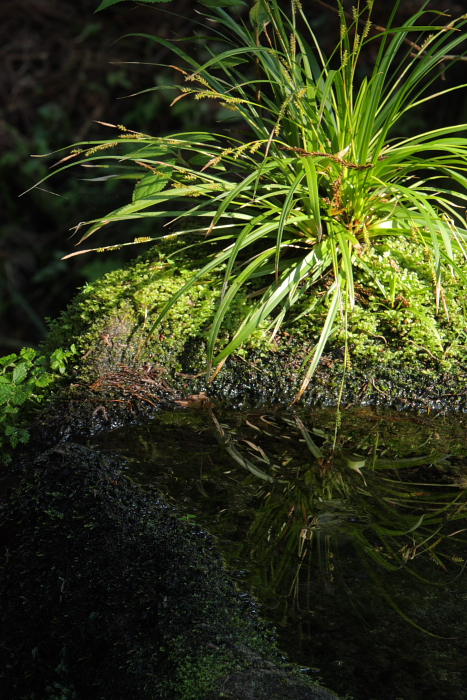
108 596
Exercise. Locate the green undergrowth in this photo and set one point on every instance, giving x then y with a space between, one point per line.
26 380
317 198
395 324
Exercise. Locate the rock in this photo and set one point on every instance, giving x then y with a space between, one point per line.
108 596
395 359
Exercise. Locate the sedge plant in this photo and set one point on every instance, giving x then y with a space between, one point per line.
315 179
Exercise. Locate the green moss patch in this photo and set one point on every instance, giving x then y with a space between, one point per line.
401 338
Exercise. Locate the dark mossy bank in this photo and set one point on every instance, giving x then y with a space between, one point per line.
403 351
110 596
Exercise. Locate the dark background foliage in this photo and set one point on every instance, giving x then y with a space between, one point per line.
60 73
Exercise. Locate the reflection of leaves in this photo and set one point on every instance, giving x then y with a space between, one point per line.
286 525
391 522
312 446
258 449
226 442
244 462
311 505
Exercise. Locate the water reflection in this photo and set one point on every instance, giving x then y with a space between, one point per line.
350 529
396 495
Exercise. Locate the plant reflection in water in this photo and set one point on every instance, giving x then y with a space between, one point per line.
330 529
338 490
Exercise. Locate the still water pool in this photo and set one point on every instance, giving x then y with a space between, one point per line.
349 528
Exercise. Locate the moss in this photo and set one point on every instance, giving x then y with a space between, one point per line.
403 328
111 318
106 312
394 330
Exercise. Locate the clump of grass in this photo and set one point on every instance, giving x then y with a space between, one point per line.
287 212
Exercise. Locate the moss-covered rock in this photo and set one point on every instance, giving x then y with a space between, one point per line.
406 347
111 317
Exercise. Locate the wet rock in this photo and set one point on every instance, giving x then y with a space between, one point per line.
109 596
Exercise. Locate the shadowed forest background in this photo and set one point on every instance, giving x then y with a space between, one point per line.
61 73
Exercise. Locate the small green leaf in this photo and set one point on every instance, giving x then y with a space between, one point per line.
17 435
28 354
20 372
151 184
44 380
259 16
8 359
6 392
354 461
21 394
58 360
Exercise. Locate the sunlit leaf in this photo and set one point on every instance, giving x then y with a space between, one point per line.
152 183
259 15
19 373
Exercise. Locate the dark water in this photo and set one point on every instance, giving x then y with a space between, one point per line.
350 529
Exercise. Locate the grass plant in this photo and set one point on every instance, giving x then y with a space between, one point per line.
315 179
